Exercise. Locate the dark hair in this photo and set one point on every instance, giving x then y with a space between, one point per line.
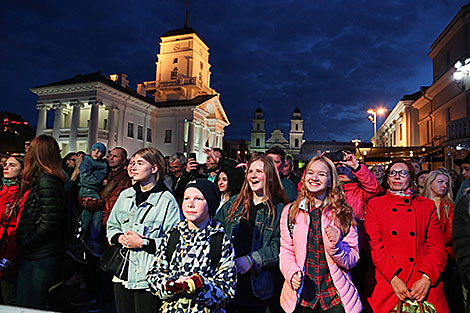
424 172
410 169
222 153
123 153
278 151
234 180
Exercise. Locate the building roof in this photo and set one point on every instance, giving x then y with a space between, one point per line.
462 12
414 96
98 77
179 103
183 31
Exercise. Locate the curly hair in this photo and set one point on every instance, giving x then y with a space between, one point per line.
334 205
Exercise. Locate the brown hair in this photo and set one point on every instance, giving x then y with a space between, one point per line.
335 201
154 157
273 191
410 169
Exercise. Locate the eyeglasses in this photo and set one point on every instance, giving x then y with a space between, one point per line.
401 173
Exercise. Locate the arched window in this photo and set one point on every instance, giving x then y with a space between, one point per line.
258 142
296 143
174 73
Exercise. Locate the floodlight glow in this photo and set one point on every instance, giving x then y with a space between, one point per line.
458 65
381 111
458 75
467 60
370 111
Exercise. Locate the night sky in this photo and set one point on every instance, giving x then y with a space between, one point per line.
332 59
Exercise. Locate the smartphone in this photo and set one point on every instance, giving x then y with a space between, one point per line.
336 156
192 155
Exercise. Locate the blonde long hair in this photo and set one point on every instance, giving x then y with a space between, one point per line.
447 198
273 191
335 201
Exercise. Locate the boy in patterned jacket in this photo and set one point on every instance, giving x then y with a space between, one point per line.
187 280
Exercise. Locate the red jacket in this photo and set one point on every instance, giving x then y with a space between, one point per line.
9 248
405 238
446 227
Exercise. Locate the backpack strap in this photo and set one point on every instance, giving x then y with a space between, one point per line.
215 243
172 242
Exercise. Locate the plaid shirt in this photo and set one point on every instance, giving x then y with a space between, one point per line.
318 285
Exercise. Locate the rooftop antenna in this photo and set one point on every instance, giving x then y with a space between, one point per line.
186 21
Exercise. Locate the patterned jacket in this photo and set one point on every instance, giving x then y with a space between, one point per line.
191 256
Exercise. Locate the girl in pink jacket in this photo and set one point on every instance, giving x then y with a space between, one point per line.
319 245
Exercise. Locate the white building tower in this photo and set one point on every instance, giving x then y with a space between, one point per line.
258 133
296 134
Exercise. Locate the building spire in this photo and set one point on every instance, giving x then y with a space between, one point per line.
186 21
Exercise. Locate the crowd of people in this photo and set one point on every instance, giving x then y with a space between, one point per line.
167 234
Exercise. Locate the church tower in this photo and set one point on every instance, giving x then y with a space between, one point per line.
182 67
296 134
258 133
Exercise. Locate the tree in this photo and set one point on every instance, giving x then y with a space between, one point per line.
13 133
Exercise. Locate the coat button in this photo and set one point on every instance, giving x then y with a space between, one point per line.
394 209
408 210
407 200
412 233
411 259
394 233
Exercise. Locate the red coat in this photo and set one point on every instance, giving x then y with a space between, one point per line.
446 227
9 248
405 238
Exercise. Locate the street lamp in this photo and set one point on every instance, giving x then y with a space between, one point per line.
462 74
373 119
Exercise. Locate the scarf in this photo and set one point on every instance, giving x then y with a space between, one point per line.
9 182
402 193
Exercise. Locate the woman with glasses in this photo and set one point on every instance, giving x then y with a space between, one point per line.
407 245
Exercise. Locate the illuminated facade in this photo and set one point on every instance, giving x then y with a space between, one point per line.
183 113
296 134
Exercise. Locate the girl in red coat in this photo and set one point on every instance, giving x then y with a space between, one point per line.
407 245
8 219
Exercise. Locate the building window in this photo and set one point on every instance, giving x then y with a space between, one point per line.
401 132
174 73
257 126
200 75
201 65
105 124
149 135
296 143
140 132
130 130
296 126
258 142
175 60
167 136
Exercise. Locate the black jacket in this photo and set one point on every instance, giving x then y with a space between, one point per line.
40 231
461 238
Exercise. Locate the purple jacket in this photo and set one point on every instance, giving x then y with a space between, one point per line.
340 257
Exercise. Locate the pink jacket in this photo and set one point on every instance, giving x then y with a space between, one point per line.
340 257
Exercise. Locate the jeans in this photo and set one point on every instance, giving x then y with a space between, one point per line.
8 289
34 279
135 300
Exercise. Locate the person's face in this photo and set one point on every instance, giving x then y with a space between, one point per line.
3 161
466 170
175 168
211 164
317 178
399 177
12 168
129 168
71 162
27 144
422 180
287 169
223 182
378 172
96 154
440 186
115 158
417 167
256 177
143 170
276 158
454 176
195 207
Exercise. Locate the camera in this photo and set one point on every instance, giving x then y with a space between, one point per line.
336 156
5 264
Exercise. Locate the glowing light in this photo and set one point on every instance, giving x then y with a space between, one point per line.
458 65
458 75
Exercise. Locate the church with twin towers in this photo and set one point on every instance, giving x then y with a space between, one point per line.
178 111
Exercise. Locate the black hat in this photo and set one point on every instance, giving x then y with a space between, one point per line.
459 162
209 190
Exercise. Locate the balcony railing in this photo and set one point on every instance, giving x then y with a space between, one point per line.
459 129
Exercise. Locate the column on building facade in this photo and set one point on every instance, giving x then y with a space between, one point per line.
144 131
74 126
42 117
111 127
191 134
93 126
58 109
121 128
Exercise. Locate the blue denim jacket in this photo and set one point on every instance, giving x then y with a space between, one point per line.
163 214
265 245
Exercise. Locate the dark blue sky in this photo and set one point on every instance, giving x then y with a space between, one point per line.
332 59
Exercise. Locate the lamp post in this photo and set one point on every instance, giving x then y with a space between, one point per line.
462 74
373 119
